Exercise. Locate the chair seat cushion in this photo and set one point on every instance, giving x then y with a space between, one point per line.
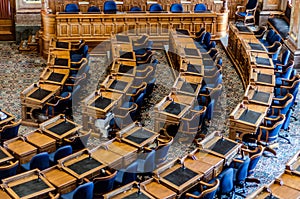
26 166
51 157
243 14
67 195
280 25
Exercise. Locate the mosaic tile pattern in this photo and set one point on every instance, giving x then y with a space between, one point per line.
17 71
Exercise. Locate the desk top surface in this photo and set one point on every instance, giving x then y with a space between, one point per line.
58 177
21 148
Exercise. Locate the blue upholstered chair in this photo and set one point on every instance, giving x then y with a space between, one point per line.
226 186
268 39
127 175
240 167
8 170
135 9
176 8
72 7
146 165
104 184
268 132
206 39
150 87
93 9
58 104
155 8
60 153
260 32
161 151
40 161
273 50
281 64
204 190
110 7
200 7
77 57
284 75
10 131
211 45
247 13
82 191
213 52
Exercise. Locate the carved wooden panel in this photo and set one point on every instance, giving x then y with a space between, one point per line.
271 4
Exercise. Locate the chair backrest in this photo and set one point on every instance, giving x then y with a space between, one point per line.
261 30
176 7
285 57
272 133
276 37
149 165
207 38
110 7
40 161
93 9
220 61
198 34
200 7
62 152
211 45
155 7
210 192
135 9
242 171
275 49
130 173
254 158
72 7
9 170
269 36
213 52
140 99
161 151
10 131
283 105
84 191
251 4
104 184
226 181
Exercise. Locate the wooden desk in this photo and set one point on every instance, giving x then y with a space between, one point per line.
53 75
5 156
4 194
124 68
283 191
246 118
130 190
263 77
41 141
81 165
110 158
261 60
28 185
216 161
128 152
290 179
255 95
59 59
176 177
201 167
61 45
157 190
20 149
39 94
171 108
98 104
7 117
188 84
59 127
117 83
221 146
193 66
62 181
137 135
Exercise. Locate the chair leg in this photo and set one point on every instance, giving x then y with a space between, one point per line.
252 179
269 150
286 137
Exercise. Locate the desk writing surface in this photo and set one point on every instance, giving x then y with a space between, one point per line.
292 181
198 166
157 190
243 29
62 45
4 195
106 156
21 148
84 165
189 87
58 177
208 158
102 102
256 47
205 56
284 192
118 85
222 146
265 78
191 52
208 62
40 140
139 136
122 38
28 185
182 32
39 94
55 75
263 61
174 108
126 54
194 68
261 97
249 116
121 148
62 127
62 62
130 193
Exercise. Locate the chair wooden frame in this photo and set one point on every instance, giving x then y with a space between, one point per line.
210 188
